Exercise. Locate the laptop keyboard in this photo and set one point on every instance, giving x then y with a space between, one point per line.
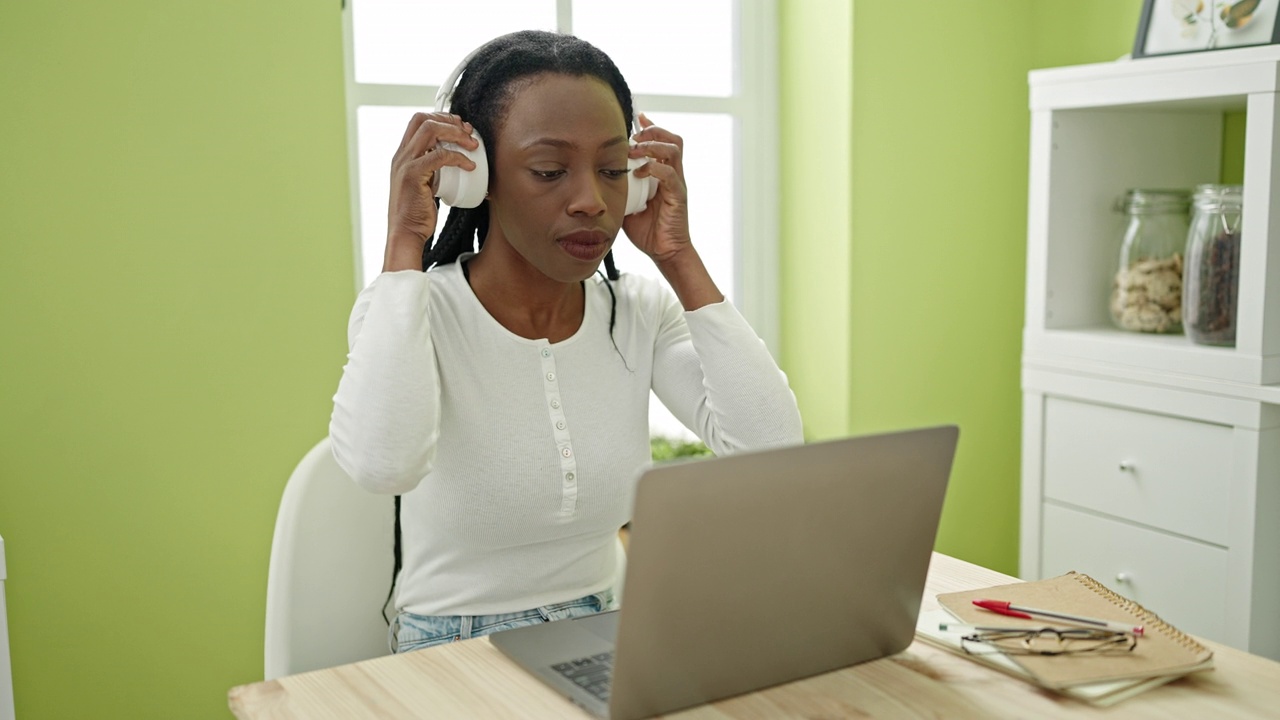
589 673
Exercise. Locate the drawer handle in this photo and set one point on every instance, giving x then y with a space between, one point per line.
1122 577
1127 466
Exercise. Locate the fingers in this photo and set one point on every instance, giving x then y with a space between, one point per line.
649 131
414 123
662 145
662 153
426 130
667 175
427 164
423 151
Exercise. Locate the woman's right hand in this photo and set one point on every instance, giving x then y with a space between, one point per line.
411 211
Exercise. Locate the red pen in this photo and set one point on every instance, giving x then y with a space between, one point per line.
1005 607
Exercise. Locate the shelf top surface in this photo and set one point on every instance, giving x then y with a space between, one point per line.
1171 359
1157 64
1219 79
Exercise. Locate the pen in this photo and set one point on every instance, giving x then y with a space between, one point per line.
1005 607
961 627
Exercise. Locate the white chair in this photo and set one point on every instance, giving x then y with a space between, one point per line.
331 560
6 674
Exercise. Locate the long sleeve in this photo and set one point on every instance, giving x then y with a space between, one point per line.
717 377
386 412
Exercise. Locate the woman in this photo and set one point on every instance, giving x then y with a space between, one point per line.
504 393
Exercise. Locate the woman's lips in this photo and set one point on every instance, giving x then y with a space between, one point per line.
585 245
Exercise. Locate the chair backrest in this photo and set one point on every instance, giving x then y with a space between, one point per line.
6 673
331 560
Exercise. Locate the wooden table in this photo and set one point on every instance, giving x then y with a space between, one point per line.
472 679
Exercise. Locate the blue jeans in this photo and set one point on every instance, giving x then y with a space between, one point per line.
415 632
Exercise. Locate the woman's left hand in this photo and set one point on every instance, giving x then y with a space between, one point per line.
661 230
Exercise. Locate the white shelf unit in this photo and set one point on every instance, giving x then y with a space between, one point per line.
1150 462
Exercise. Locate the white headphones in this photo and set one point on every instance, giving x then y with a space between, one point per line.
467 188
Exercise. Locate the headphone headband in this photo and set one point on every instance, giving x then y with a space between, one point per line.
446 88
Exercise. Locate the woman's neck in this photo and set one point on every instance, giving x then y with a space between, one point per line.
521 298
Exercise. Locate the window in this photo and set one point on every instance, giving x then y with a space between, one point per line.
720 98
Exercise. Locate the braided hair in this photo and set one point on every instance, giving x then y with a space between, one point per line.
483 97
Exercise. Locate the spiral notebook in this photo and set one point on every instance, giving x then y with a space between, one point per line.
1161 652
1100 694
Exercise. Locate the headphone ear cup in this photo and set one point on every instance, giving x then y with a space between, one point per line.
464 188
640 190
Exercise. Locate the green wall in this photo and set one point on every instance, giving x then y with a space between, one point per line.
175 275
816 71
933 156
1082 31
176 271
939 167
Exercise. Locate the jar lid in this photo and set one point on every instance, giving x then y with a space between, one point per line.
1144 200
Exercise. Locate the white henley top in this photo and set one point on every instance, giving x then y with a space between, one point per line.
517 458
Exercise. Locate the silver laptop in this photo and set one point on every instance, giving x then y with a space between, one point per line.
752 570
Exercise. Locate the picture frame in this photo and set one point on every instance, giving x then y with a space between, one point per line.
1169 27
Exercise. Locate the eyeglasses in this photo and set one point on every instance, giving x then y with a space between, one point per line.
1047 641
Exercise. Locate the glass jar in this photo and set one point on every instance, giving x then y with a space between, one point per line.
1213 265
1146 295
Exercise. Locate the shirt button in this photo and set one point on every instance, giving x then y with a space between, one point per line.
566 452
569 477
555 404
551 377
560 425
546 352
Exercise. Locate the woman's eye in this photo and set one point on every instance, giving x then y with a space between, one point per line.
547 174
615 174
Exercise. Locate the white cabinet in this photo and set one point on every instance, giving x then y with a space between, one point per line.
1149 462
1153 568
1145 468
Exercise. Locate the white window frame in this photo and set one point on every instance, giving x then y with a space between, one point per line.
753 107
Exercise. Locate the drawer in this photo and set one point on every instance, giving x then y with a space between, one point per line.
1181 580
1166 472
